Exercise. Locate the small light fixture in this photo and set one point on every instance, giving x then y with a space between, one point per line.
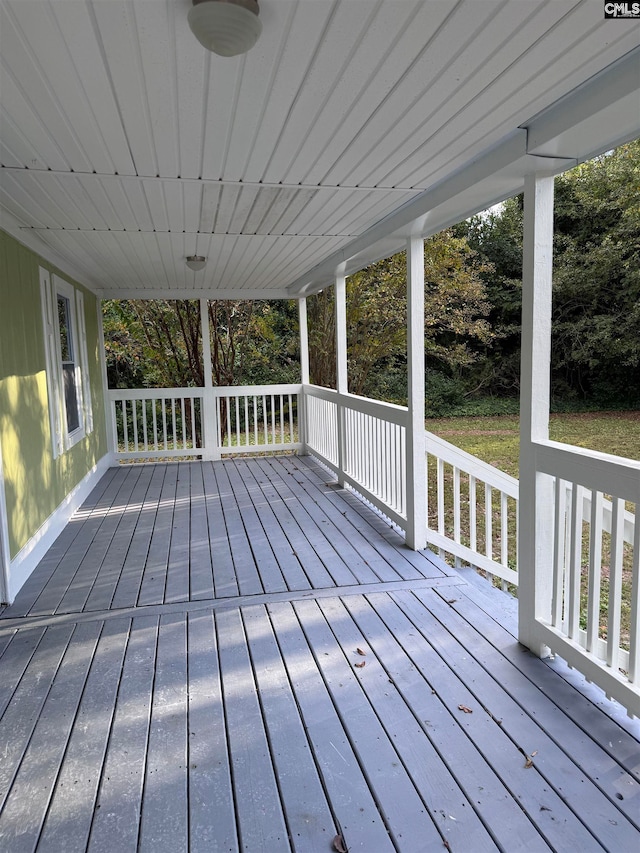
226 27
196 262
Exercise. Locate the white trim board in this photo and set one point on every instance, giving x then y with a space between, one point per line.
25 561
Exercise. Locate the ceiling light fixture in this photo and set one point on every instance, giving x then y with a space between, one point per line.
196 262
226 27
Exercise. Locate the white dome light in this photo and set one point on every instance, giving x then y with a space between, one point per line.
196 262
226 27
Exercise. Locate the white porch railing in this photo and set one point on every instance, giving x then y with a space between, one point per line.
211 422
475 508
161 423
255 419
364 442
472 506
595 548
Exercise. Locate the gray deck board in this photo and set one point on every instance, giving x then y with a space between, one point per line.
225 582
261 823
524 676
322 565
286 556
97 504
177 585
165 823
561 778
154 576
200 563
26 806
116 818
357 817
464 770
70 813
406 812
271 577
307 812
248 578
181 676
210 783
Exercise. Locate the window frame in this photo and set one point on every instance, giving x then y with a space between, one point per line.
52 288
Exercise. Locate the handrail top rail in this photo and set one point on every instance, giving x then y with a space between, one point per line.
199 391
356 401
116 394
471 464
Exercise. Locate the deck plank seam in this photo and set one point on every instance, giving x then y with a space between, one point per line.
24 623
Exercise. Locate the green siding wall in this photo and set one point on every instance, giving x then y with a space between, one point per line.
35 482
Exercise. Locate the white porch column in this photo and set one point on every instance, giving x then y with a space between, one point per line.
341 366
535 539
416 535
304 373
112 440
208 415
304 341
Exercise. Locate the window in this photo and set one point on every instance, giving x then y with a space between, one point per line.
68 386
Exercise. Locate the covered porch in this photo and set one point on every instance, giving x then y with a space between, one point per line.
180 665
240 655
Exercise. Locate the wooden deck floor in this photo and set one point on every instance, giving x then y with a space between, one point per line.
238 656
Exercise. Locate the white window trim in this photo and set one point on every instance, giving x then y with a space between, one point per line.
50 286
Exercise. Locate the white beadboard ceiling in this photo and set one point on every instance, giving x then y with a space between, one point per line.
125 146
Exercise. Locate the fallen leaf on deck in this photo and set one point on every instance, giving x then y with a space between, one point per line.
339 845
360 652
451 600
465 709
360 665
529 761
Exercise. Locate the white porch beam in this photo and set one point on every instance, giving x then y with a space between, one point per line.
536 503
416 533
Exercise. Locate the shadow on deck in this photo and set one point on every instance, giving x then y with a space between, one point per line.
237 656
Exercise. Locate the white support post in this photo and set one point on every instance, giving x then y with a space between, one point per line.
416 533
112 438
342 383
536 504
208 413
304 375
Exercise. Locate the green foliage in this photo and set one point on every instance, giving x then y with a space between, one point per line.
159 343
455 320
596 310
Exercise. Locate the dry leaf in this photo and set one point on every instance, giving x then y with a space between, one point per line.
465 709
360 665
360 652
339 845
529 761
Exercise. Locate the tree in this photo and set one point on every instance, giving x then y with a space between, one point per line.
455 310
596 328
159 343
596 284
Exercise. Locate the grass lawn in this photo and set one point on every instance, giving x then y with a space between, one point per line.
496 439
